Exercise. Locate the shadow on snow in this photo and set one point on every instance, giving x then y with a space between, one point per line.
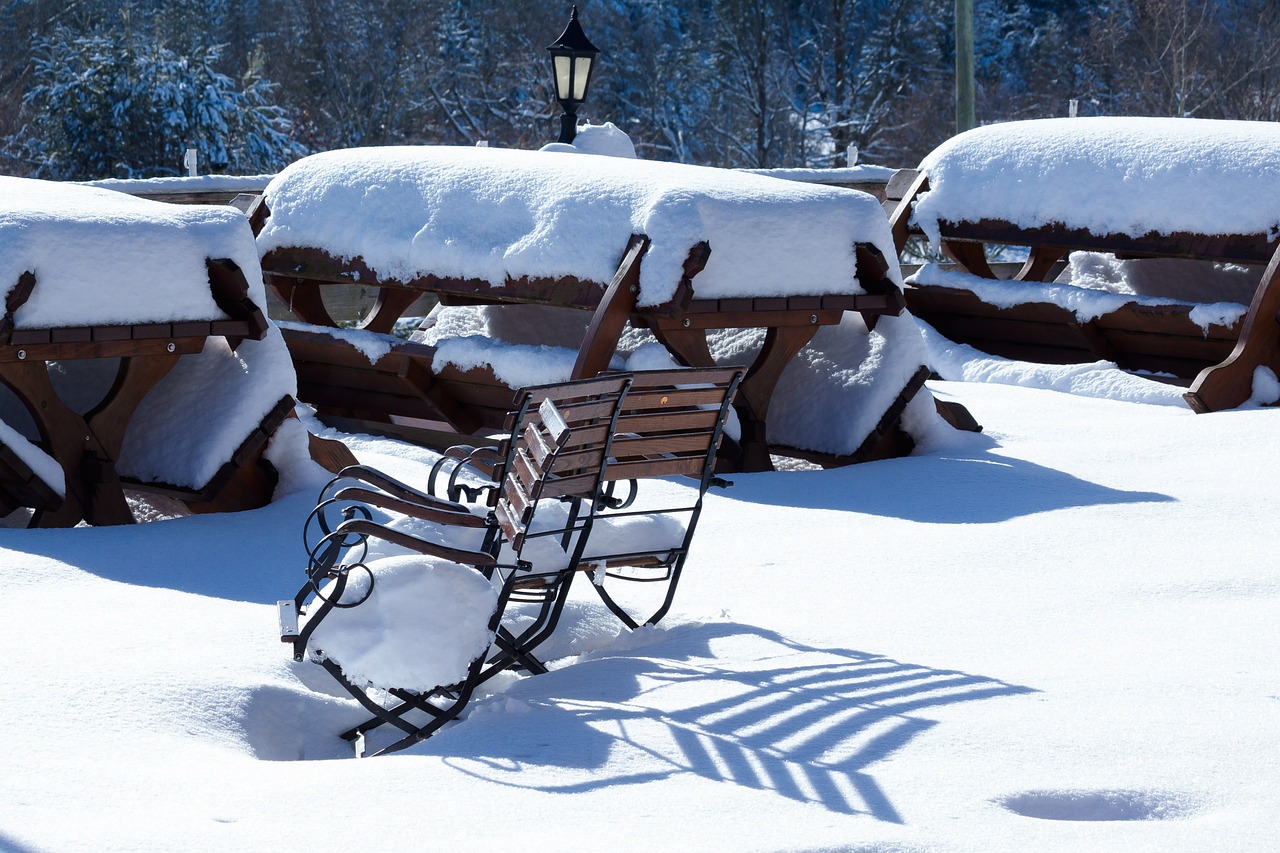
803 722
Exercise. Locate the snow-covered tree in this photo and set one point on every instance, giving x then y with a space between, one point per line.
113 104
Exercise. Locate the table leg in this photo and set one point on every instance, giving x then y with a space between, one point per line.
63 433
302 298
86 446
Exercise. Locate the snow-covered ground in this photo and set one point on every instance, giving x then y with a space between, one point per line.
1057 635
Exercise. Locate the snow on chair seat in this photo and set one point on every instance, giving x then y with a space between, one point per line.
173 293
1137 188
407 604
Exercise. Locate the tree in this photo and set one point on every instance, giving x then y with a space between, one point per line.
112 104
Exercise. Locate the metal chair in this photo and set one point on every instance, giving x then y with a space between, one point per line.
526 547
672 423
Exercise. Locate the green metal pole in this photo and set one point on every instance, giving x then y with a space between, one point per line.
965 113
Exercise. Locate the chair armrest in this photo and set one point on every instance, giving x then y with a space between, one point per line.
364 527
393 487
438 511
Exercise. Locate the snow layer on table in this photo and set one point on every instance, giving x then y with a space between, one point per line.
863 173
103 257
1109 175
423 623
185 184
1085 302
491 214
41 464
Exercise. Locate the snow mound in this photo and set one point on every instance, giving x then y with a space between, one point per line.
1109 175
493 214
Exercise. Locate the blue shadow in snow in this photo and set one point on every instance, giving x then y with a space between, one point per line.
936 488
254 556
807 723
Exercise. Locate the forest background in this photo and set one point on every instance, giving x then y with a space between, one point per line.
92 89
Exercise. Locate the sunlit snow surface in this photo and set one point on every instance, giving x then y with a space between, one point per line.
1056 635
491 214
1109 175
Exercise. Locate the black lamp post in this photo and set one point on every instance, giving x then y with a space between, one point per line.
572 56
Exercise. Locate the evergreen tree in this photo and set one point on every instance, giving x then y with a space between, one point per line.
113 104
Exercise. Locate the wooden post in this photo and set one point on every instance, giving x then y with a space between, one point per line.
966 116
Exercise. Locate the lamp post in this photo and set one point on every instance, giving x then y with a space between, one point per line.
572 56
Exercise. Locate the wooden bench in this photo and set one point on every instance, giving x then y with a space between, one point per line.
1143 334
408 383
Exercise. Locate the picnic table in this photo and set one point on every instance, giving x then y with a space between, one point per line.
104 297
1138 189
674 249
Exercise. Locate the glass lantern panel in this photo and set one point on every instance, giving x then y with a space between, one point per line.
563 78
581 72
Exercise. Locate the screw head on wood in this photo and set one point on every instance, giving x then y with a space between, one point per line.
813 318
171 346
22 355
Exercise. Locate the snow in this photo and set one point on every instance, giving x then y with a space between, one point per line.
517 365
1056 635
1087 301
102 257
604 139
41 464
98 282
1109 175
189 184
420 626
863 173
491 214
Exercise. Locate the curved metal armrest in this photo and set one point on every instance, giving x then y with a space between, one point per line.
483 460
390 485
439 512
364 527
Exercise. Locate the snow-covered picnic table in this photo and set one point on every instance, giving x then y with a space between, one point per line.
1180 198
132 346
672 248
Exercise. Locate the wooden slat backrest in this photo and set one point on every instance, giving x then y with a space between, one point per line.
671 422
559 445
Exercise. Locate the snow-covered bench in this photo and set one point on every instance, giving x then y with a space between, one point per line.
1200 196
134 352
674 249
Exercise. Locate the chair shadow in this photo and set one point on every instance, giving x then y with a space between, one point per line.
944 488
803 722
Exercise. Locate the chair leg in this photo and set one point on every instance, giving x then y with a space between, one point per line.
626 618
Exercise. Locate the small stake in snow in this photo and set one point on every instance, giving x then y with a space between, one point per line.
190 161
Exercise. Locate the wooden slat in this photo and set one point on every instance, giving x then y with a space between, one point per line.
646 445
516 497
